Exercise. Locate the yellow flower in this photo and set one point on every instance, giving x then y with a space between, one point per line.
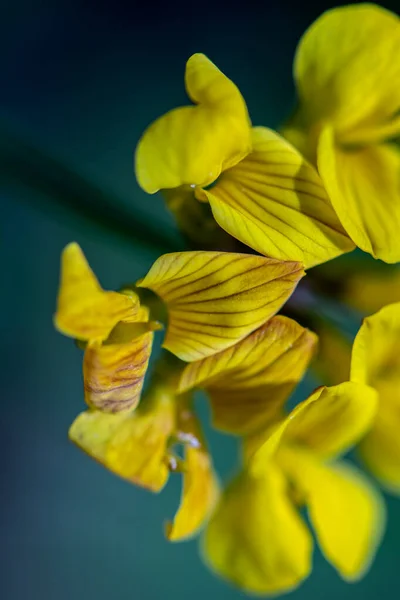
376 361
138 446
117 331
256 537
264 193
248 383
370 291
347 73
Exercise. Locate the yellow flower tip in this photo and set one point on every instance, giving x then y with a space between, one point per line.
84 310
181 147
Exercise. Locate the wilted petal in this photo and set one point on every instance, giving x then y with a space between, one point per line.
200 488
132 445
346 511
249 382
275 202
191 145
347 68
364 188
84 310
255 538
215 299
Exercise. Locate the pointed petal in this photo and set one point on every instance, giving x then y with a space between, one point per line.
275 202
364 188
191 145
346 511
249 382
84 310
131 445
345 67
200 488
256 539
215 299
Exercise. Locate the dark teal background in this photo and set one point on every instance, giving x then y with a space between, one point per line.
81 81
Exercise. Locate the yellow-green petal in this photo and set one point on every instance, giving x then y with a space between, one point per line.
256 539
274 201
84 310
347 69
191 145
215 299
249 382
345 510
364 187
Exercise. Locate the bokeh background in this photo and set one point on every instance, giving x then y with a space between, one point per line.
79 83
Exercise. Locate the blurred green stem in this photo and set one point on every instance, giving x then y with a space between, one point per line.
57 187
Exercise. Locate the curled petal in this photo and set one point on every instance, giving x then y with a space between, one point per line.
346 511
191 145
249 382
215 299
346 68
255 539
364 188
131 445
84 310
200 488
275 202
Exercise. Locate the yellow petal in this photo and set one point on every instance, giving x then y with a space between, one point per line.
255 539
84 310
191 145
376 348
334 355
347 68
215 299
347 513
114 373
275 202
370 291
249 382
131 445
380 449
364 188
200 488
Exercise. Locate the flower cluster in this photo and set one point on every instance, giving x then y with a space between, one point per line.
259 208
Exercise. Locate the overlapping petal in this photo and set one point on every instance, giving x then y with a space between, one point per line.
215 299
191 145
200 488
132 445
256 539
364 187
249 382
275 202
84 310
347 71
347 513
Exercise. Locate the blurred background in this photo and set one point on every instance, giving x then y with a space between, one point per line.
79 83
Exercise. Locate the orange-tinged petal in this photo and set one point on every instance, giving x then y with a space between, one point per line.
364 187
200 488
191 145
84 310
215 299
274 201
249 382
347 513
131 445
255 539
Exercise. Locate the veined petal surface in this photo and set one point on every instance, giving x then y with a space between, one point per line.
191 145
256 539
249 382
274 201
364 188
215 299
347 69
84 310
